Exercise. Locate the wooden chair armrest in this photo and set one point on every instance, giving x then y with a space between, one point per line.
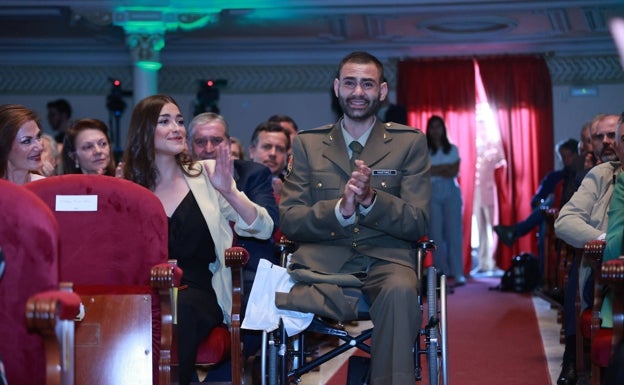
51 314
236 258
592 255
44 310
165 275
163 278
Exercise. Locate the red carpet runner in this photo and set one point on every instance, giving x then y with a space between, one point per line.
493 339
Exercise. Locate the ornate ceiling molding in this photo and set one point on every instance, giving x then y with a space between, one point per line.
92 79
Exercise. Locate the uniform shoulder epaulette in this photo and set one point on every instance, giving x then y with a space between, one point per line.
391 126
324 128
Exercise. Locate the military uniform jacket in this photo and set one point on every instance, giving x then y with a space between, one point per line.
399 160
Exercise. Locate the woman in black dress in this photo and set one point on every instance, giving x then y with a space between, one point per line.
200 200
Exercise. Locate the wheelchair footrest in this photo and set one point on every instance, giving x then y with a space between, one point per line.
358 371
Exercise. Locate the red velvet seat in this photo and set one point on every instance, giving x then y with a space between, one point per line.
603 340
114 249
29 243
587 325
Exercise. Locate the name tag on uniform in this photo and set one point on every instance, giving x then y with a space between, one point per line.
385 172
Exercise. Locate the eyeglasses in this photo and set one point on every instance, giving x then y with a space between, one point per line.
203 141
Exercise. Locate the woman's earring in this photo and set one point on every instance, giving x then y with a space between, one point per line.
77 164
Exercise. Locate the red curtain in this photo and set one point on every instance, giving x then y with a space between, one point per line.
519 92
445 88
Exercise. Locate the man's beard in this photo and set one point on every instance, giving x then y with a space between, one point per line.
359 114
609 157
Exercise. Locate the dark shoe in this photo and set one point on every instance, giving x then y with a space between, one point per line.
461 281
568 374
507 234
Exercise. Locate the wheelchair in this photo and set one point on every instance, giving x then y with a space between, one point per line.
285 359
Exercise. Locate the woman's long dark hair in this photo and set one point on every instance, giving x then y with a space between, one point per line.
140 153
69 145
446 144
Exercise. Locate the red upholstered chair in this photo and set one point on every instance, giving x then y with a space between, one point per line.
593 341
114 249
613 276
29 243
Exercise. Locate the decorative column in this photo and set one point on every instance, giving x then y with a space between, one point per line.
145 50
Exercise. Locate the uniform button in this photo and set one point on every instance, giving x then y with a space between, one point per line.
383 184
319 185
332 234
356 230
354 244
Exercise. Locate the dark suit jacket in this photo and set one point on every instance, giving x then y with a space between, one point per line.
255 180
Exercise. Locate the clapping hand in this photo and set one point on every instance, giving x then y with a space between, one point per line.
357 190
221 176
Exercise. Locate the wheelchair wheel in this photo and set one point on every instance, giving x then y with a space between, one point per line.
433 340
443 331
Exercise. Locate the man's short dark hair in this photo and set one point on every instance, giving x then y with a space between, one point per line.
269 126
361 57
569 144
284 118
62 106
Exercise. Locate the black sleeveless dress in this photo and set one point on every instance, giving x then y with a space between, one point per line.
190 242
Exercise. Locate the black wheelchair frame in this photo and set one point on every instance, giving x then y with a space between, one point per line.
285 359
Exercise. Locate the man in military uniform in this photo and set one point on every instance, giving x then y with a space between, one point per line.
356 211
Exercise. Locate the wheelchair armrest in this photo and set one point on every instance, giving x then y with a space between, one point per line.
283 248
424 256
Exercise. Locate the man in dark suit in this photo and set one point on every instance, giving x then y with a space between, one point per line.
206 131
357 221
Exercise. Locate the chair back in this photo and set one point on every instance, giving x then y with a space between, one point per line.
112 232
30 245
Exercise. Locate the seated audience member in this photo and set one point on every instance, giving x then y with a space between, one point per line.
586 147
545 194
288 123
59 118
205 133
236 149
20 144
201 200
270 144
582 219
615 230
87 150
291 127
49 156
348 219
